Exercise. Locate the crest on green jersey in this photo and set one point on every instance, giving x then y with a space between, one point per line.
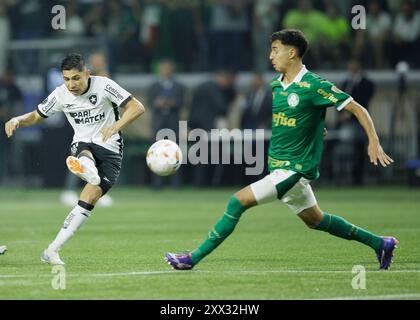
293 100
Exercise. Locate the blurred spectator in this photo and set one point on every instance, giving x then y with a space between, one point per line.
256 108
343 7
95 22
32 18
148 16
361 88
229 27
394 6
312 23
176 34
11 104
4 35
75 26
406 32
209 107
122 33
378 29
201 13
337 40
166 97
265 22
98 65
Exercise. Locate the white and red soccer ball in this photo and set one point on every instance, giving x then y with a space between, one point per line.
164 157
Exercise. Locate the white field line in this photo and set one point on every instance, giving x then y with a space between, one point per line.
151 273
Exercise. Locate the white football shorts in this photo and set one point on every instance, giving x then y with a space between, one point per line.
285 185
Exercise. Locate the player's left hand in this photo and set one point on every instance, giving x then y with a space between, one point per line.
108 132
376 153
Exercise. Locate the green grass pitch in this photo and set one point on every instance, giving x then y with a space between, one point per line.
118 253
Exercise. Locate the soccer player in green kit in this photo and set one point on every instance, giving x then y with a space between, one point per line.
300 100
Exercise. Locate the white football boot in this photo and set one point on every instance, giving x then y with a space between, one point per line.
51 257
3 249
84 169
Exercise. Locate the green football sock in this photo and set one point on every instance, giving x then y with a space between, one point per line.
339 227
222 229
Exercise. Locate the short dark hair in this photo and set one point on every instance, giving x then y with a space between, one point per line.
73 61
292 37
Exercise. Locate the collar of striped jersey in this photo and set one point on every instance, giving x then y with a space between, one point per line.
298 77
88 86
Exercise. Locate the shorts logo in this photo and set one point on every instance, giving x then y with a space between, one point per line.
45 101
293 100
93 99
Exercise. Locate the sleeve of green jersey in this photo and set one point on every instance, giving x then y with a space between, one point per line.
326 94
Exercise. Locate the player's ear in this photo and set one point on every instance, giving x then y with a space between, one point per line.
86 73
292 52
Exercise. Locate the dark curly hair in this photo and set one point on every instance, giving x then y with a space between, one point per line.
292 37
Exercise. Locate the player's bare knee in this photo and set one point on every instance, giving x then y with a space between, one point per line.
246 197
312 217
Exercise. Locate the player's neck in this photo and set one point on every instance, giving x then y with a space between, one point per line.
292 72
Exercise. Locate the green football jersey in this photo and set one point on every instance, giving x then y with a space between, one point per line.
299 110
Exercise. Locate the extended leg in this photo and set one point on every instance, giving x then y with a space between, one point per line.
337 226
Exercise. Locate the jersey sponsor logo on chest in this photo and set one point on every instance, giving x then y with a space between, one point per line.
85 117
280 119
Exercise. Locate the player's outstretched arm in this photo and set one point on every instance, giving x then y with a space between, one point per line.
132 110
26 120
375 151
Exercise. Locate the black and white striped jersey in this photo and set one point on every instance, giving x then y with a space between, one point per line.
90 112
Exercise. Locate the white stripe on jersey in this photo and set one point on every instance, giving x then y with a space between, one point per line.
89 113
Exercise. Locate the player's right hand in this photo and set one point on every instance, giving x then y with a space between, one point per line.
11 126
376 153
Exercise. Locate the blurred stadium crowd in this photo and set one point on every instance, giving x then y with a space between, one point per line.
206 62
205 35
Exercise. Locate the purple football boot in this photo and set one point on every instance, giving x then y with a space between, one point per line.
181 261
386 253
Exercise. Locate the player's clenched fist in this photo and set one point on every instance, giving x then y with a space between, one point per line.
11 126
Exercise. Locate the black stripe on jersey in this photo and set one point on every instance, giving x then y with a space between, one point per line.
127 100
88 86
41 114
117 117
